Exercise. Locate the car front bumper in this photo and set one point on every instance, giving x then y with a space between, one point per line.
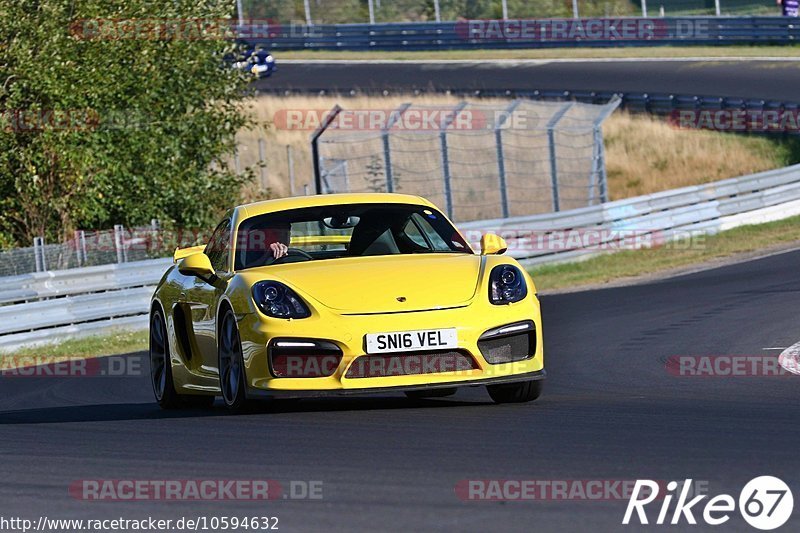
348 333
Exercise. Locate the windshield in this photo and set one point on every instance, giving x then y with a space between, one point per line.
357 230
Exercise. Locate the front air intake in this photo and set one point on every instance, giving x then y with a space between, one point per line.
507 344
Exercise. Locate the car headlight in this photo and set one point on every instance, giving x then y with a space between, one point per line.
279 301
506 285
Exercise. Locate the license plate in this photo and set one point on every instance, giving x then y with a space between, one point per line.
410 341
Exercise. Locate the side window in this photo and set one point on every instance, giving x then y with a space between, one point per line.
431 235
412 232
219 246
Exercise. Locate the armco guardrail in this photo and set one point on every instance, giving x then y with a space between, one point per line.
50 306
541 33
667 215
45 307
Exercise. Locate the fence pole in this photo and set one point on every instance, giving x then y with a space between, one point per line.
118 244
644 8
610 107
315 145
290 163
387 150
77 238
371 11
262 162
307 6
505 9
154 240
551 140
448 190
83 246
501 162
575 9
240 14
437 11
38 254
717 8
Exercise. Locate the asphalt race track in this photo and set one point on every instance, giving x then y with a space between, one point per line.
610 411
744 79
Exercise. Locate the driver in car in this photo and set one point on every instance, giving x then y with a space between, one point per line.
280 237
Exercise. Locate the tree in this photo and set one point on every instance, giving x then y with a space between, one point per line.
115 112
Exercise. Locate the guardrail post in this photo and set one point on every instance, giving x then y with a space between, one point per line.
39 255
501 163
551 140
387 150
315 145
448 189
118 244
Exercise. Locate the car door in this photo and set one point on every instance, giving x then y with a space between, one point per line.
204 296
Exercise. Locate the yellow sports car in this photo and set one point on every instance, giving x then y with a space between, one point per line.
343 294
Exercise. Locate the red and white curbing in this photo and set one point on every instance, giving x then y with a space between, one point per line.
790 358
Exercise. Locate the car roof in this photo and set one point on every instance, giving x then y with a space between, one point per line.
298 202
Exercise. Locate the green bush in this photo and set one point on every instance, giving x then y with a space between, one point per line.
120 128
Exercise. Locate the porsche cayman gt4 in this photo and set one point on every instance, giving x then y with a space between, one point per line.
343 294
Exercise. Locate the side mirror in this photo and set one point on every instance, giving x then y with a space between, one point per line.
196 265
493 244
180 253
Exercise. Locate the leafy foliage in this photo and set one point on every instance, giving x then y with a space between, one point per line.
110 123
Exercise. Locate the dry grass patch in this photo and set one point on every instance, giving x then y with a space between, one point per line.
645 155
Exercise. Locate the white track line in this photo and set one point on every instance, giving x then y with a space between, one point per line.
790 358
517 62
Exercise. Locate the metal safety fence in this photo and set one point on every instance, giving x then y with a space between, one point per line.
476 160
88 248
532 33
312 12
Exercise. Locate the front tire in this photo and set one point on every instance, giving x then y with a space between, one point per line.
524 391
231 364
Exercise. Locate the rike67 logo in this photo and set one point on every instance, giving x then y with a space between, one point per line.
765 503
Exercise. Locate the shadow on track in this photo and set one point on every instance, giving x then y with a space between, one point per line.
150 411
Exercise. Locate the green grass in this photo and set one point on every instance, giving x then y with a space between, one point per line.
557 53
117 343
631 263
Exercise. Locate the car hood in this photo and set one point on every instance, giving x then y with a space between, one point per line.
385 284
